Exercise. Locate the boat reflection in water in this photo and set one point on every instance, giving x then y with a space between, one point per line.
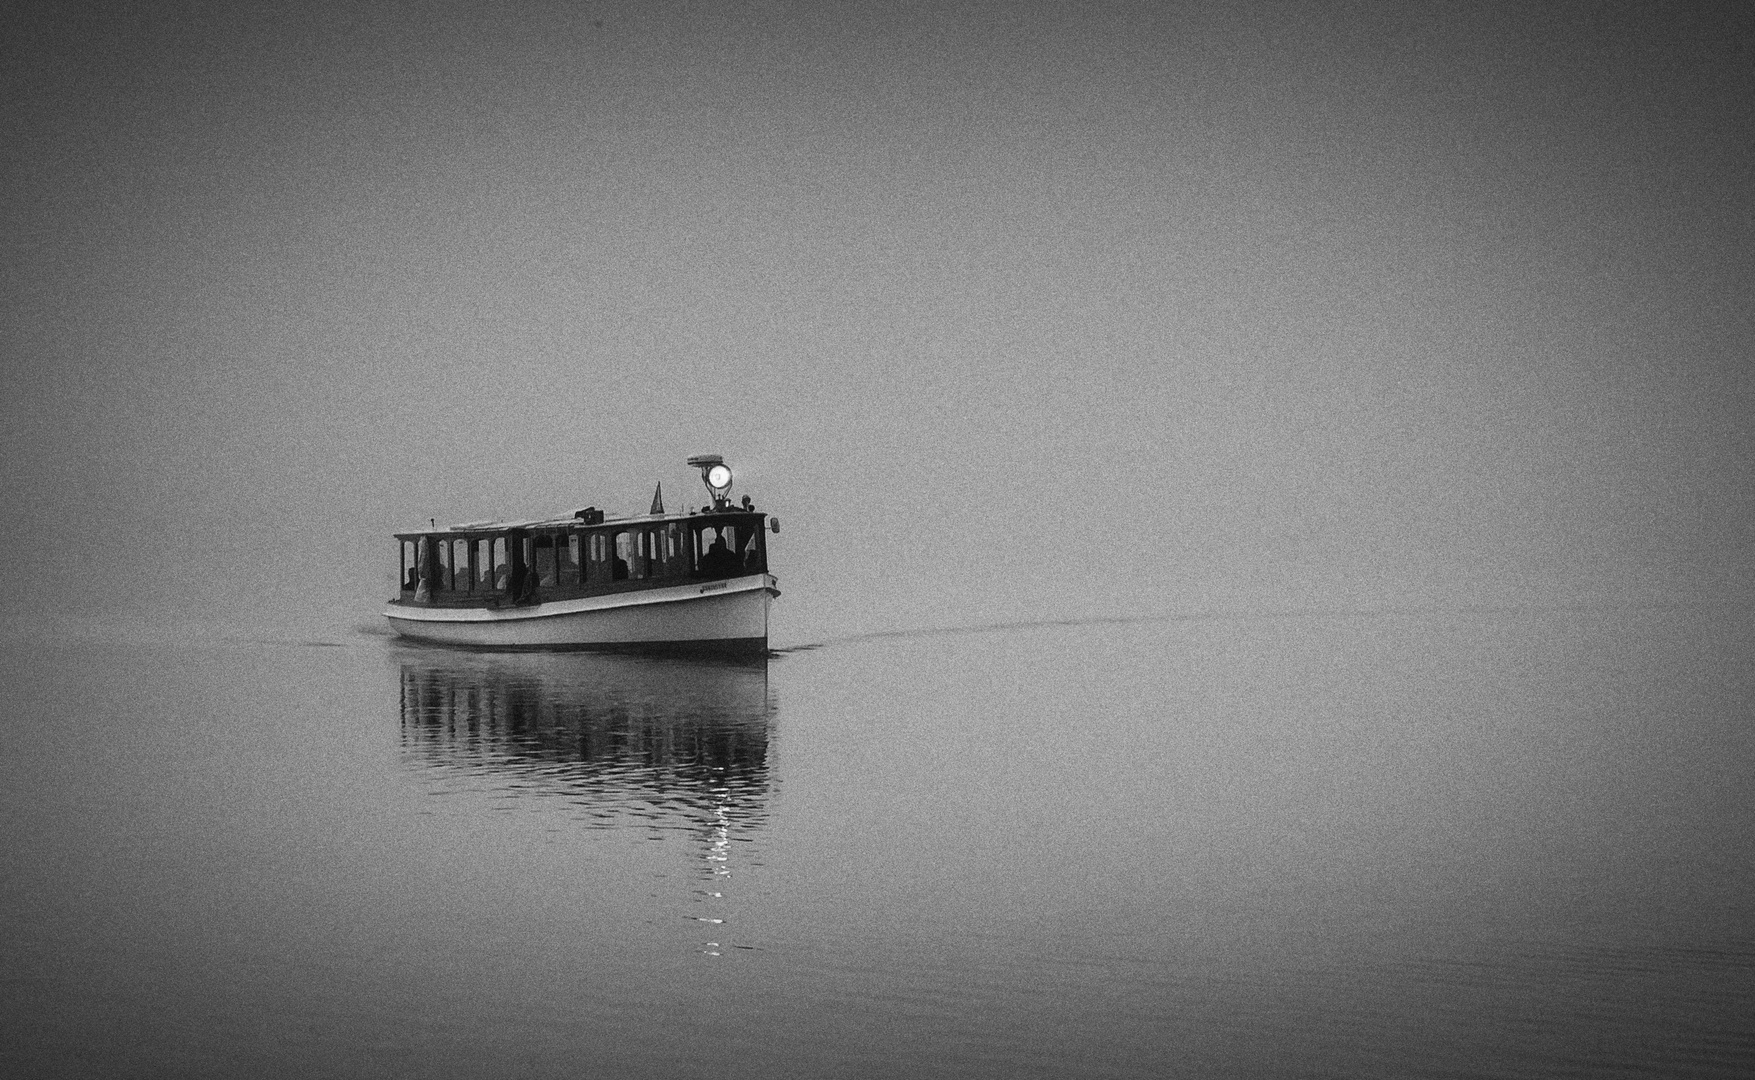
672 741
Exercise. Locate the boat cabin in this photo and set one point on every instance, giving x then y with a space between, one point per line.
498 564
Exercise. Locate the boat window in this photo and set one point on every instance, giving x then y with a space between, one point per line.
501 562
461 578
569 553
716 550
594 569
627 557
519 580
542 562
441 564
483 553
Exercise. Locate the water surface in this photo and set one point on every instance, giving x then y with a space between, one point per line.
1464 844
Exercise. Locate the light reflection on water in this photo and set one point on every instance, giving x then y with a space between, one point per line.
659 739
662 743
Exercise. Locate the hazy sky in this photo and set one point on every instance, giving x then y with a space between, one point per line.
1007 310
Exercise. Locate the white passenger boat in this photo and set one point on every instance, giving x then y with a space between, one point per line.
693 581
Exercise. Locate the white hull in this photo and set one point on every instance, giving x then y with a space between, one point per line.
730 612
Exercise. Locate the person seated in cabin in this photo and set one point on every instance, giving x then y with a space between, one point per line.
502 577
521 584
719 559
620 570
413 581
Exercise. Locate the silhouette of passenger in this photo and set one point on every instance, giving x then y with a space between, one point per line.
521 584
719 559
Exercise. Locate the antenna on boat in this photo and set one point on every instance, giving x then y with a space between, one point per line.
716 475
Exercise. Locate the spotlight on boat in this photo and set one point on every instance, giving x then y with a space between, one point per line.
716 475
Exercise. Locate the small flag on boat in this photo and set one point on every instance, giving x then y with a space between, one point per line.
658 498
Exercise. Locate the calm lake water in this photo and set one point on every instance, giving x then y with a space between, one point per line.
1469 844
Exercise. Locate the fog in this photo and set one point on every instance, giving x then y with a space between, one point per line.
1008 311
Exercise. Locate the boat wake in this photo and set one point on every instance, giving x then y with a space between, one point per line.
1238 616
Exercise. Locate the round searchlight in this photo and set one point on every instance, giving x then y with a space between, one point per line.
715 475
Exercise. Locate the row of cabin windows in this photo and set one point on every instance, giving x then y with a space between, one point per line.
484 565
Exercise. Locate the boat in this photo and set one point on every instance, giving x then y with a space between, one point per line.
696 581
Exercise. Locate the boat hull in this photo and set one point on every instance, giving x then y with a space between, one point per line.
719 616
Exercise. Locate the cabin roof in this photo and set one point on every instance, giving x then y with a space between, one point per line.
570 521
